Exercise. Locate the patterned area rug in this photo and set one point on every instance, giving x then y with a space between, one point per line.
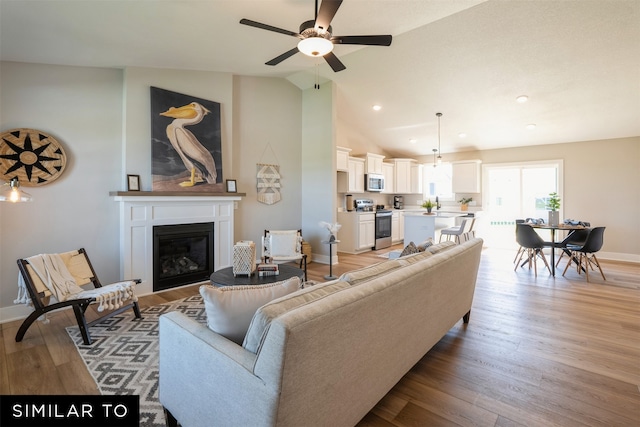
123 358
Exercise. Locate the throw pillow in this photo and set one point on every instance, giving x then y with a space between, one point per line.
409 249
229 309
265 314
424 245
364 274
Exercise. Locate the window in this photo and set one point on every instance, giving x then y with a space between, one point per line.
437 181
516 190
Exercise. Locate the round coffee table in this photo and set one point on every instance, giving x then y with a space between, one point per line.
225 277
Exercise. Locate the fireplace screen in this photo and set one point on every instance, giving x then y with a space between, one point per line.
182 254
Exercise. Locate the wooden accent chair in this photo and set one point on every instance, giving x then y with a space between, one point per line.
284 246
36 289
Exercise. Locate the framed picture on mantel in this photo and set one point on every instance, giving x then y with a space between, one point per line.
231 186
133 182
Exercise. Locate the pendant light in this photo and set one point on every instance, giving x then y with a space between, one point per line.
435 150
11 192
439 152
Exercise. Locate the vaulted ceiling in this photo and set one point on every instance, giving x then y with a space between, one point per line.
577 61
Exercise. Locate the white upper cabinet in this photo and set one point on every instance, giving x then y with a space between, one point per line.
342 158
353 180
466 176
388 170
373 163
402 179
416 178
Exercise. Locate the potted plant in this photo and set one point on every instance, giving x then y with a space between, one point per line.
553 204
428 205
464 203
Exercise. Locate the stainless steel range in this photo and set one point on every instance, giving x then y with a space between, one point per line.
383 229
383 222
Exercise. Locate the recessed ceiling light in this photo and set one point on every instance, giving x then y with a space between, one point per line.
462 135
531 126
522 99
377 107
413 140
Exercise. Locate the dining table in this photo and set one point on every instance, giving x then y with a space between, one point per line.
553 228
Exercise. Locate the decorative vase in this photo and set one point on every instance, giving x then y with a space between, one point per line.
464 207
554 218
429 210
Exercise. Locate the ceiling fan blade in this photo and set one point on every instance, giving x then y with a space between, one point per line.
334 62
279 59
268 27
328 9
364 40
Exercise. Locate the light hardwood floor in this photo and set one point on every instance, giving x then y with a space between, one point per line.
537 352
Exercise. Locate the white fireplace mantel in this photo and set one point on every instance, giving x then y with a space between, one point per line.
141 211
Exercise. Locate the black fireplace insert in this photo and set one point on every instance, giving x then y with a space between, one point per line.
182 254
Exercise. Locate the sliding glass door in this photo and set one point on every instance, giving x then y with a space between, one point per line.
512 191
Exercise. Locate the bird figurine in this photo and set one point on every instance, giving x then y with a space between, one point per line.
193 154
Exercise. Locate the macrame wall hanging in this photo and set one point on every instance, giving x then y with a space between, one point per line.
268 176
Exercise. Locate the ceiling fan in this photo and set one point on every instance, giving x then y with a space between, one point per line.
316 37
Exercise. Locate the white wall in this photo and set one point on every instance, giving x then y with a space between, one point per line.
601 185
82 109
319 168
267 129
101 117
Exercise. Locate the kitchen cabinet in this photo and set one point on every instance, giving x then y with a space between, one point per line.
416 178
373 163
397 227
466 177
402 175
352 181
366 231
388 170
342 158
357 234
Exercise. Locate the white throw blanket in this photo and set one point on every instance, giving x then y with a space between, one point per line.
56 276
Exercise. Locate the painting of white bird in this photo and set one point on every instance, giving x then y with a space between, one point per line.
193 154
189 141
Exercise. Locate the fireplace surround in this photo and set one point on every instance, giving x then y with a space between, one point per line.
140 212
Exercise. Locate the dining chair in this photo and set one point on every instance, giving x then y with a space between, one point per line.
575 238
520 249
532 245
465 226
586 253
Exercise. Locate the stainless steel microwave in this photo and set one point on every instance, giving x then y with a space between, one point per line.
373 182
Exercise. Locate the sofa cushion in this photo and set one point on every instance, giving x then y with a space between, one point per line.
364 274
229 309
265 314
413 258
440 247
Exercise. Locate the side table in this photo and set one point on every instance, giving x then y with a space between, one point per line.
330 243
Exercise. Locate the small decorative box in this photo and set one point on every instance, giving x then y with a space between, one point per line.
244 258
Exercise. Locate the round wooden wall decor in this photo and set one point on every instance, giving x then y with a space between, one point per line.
34 157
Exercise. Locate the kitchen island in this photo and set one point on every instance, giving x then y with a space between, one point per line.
419 225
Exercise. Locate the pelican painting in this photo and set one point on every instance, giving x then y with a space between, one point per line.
196 158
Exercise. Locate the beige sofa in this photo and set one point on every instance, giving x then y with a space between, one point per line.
321 356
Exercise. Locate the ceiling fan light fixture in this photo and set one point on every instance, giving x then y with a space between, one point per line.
315 46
